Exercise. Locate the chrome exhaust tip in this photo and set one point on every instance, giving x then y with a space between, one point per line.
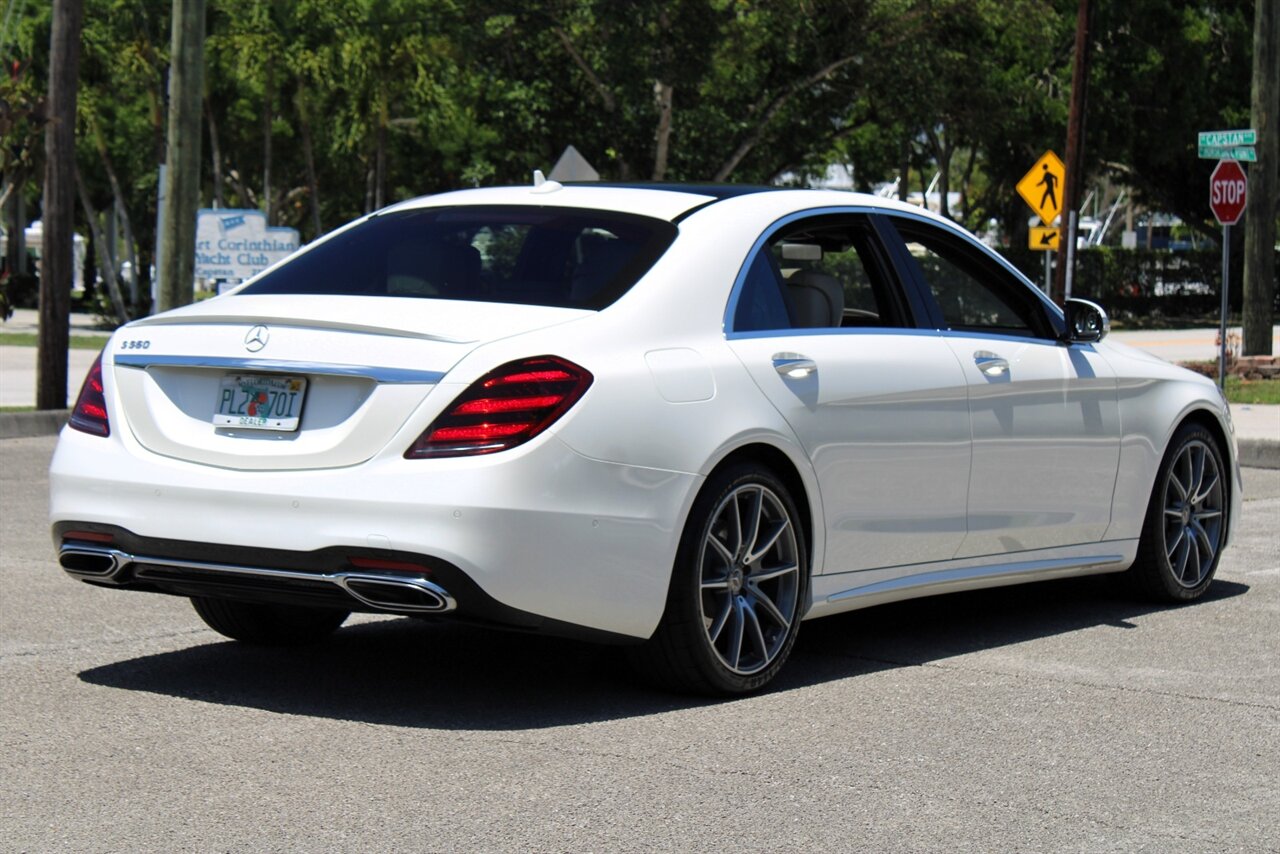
403 595
92 562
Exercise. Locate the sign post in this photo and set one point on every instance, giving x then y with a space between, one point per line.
1227 198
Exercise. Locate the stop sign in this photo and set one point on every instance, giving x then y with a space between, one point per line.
1227 192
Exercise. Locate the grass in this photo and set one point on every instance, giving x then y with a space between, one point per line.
1253 391
17 409
30 339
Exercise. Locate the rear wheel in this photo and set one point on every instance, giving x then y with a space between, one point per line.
737 588
265 623
1186 522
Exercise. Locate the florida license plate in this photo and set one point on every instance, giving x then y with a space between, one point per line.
260 402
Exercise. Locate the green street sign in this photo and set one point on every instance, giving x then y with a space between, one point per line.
1227 152
1228 137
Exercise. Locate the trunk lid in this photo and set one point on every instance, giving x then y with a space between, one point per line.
343 373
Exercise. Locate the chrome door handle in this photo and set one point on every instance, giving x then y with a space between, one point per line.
990 364
793 365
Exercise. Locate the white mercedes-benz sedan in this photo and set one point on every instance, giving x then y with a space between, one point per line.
685 418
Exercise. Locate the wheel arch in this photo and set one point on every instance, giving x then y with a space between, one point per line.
1207 419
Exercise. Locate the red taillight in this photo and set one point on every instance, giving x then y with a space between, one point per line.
504 408
90 414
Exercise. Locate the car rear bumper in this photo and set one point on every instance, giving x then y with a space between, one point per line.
536 538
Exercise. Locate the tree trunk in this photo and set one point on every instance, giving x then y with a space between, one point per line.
246 195
380 157
215 154
267 119
964 185
121 209
308 154
1264 184
1074 181
662 98
105 266
58 255
14 226
904 174
182 177
942 150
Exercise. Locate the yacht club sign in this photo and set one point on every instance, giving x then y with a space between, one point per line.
237 244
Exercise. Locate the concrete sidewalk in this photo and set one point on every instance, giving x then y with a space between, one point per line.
1184 345
18 364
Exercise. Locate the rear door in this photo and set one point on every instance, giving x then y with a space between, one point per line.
1044 417
879 405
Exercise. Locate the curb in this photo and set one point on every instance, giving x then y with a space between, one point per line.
18 425
1254 453
1259 453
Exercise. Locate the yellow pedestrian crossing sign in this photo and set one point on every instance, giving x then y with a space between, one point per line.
1042 187
1044 237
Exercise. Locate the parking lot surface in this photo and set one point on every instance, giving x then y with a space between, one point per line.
1054 717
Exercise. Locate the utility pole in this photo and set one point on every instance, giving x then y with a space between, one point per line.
57 258
182 155
1264 188
1075 155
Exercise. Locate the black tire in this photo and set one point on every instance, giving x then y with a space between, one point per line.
267 624
1186 521
735 601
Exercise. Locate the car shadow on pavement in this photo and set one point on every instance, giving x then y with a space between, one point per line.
451 676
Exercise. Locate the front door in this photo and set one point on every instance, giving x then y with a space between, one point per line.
1044 416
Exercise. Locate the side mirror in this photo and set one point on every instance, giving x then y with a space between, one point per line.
1086 322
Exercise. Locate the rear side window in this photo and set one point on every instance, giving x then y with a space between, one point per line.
535 256
820 272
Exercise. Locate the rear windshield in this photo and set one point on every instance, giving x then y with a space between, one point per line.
535 256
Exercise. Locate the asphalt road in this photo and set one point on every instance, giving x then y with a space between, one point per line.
1054 717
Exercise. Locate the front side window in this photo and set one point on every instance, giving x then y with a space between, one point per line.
535 256
973 293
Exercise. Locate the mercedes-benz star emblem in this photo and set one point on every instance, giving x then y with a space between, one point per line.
256 338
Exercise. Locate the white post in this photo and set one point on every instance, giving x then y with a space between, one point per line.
1222 328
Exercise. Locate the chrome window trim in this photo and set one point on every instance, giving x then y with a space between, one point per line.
834 330
372 372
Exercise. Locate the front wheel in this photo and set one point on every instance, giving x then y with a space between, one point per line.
267 624
737 588
1186 523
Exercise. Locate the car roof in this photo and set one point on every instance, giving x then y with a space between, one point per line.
667 201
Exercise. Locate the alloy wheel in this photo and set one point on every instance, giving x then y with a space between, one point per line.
1193 512
750 579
